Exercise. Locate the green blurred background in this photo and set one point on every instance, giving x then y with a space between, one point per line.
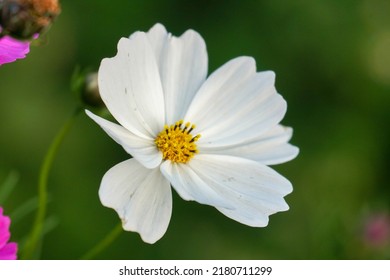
332 64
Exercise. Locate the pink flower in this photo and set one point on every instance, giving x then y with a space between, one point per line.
377 230
7 250
12 49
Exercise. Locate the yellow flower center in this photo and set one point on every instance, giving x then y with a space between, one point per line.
176 142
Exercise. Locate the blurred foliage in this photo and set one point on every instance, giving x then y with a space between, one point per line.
332 64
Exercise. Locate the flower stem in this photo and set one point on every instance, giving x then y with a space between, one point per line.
36 233
104 243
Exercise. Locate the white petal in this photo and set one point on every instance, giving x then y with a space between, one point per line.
236 104
130 86
158 37
269 148
183 69
254 190
142 149
190 186
141 197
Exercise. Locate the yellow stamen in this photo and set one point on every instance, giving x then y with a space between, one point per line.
176 142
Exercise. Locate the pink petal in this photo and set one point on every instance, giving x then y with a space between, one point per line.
4 229
8 252
12 49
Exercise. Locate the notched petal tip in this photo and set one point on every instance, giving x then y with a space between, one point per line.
268 75
295 151
285 187
158 28
248 62
123 47
191 34
123 44
145 238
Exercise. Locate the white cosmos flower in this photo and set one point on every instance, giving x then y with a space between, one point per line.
156 88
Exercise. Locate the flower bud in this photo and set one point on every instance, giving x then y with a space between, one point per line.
84 85
90 92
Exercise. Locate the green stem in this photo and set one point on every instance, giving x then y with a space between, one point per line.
36 232
104 243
